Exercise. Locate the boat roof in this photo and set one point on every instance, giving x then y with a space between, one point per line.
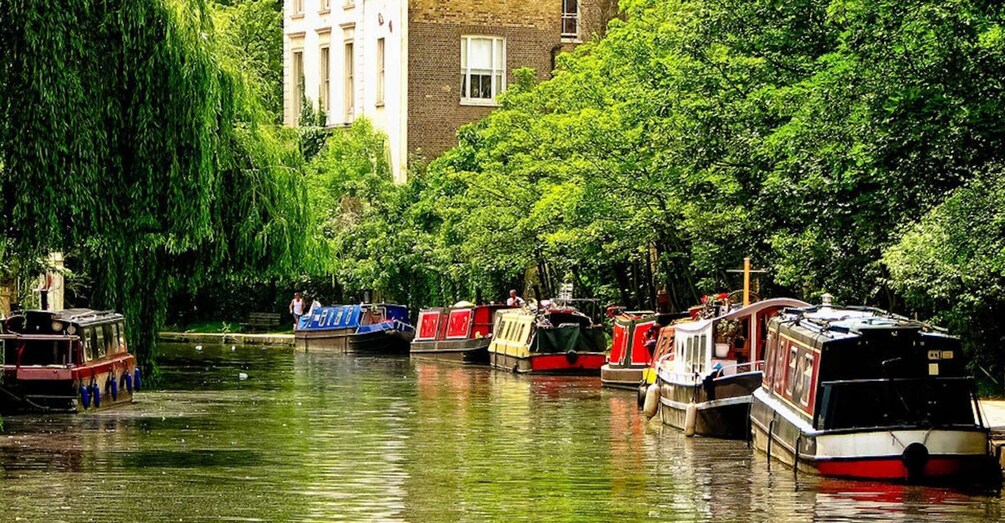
80 316
837 322
700 325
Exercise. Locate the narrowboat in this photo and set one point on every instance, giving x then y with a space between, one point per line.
633 339
705 383
461 333
860 393
558 340
376 328
73 360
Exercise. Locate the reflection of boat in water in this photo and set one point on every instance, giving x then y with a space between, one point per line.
460 333
71 360
375 328
706 380
861 393
555 340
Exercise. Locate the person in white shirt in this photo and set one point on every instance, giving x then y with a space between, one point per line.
514 300
315 305
296 308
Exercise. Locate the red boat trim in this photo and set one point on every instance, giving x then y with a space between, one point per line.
545 362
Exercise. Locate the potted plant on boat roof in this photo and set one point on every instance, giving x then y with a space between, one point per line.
725 334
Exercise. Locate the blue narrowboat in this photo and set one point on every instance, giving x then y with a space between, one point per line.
377 328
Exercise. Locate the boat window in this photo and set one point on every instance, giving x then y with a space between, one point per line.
338 317
99 341
780 353
88 345
702 353
111 339
790 382
769 362
807 380
689 354
122 336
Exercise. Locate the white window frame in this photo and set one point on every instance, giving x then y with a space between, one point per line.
381 64
498 75
325 72
299 84
573 15
298 8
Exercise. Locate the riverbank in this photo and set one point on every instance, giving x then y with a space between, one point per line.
223 338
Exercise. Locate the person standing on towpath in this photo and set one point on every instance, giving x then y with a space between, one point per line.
296 308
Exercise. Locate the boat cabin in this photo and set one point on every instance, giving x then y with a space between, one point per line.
352 316
861 367
64 338
730 343
456 323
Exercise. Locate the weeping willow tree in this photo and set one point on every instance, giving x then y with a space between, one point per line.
125 138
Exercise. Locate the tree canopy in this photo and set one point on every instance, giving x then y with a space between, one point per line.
129 140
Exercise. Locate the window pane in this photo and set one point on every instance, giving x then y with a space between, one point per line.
481 54
464 53
500 54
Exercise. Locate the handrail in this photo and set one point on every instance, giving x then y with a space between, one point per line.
896 380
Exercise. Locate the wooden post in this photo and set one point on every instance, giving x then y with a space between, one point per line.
746 282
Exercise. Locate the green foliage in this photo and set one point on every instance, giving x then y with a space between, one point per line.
804 134
250 35
128 140
951 265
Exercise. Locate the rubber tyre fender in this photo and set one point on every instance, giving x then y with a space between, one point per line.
85 396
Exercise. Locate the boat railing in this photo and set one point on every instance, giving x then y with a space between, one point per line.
740 368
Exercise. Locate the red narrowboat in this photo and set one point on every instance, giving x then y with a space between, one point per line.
557 340
633 341
73 360
857 392
461 333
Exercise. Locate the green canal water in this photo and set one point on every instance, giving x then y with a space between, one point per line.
316 437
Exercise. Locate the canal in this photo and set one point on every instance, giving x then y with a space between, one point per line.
319 438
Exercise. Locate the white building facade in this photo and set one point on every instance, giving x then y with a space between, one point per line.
348 59
421 69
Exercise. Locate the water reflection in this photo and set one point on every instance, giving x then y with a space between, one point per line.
319 437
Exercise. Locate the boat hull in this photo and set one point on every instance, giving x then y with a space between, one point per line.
898 454
620 377
582 363
380 342
62 393
722 410
335 340
467 351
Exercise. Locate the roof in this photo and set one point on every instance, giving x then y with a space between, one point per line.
700 325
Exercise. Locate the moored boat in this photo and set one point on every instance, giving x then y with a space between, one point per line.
557 340
377 328
633 339
461 333
706 379
73 361
860 393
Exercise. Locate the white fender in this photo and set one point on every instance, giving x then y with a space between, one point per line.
652 403
690 418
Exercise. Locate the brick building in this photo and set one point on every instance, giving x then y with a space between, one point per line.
419 69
